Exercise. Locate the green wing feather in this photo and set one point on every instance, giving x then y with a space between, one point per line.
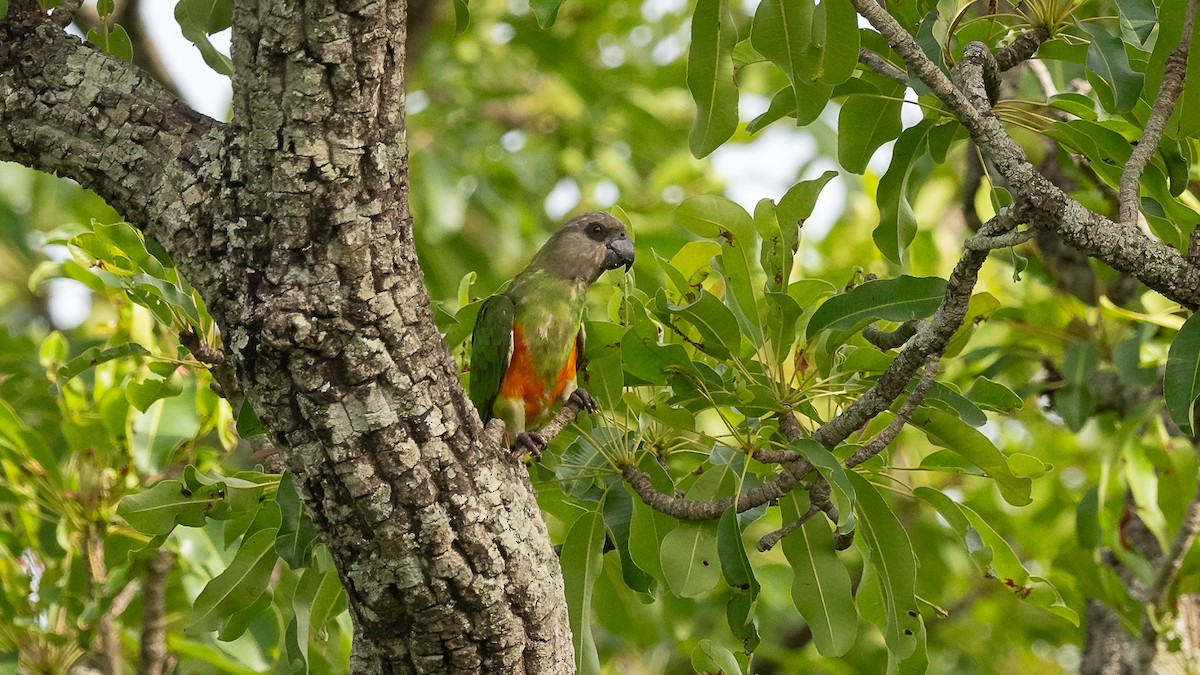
491 349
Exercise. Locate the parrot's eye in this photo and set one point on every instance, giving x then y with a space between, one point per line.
595 230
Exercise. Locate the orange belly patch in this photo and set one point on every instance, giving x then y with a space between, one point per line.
521 379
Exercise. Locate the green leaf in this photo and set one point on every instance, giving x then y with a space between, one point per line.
1079 362
929 44
52 352
197 20
994 396
165 426
618 513
240 586
865 123
115 42
709 657
581 565
897 222
710 76
647 529
144 393
839 58
782 32
648 359
890 553
94 357
841 490
1074 401
1107 60
994 556
1186 120
462 17
798 203
948 398
1139 16
1181 382
248 423
546 11
821 587
732 552
717 326
713 217
717 217
948 431
1077 104
780 243
743 294
316 600
297 534
783 104
240 493
690 559
158 510
205 16
901 299
782 314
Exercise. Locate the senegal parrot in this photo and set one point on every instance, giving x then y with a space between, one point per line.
528 340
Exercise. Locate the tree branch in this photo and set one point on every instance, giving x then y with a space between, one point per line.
881 66
890 339
931 339
1000 241
903 415
68 109
64 13
1022 49
1126 249
1160 112
153 650
768 541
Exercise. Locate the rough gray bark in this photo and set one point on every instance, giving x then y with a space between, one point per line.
152 650
293 223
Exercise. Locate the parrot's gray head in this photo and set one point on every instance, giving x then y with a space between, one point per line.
586 246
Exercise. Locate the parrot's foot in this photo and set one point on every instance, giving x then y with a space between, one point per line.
584 400
530 443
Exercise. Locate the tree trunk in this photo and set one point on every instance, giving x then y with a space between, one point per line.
293 223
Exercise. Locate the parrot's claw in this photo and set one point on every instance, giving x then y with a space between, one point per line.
530 443
584 400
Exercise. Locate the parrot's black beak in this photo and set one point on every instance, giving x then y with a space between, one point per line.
620 252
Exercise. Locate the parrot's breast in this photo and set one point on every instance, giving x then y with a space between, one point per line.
530 381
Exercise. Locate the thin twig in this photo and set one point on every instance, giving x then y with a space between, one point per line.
903 415
788 425
980 243
153 655
1023 49
890 339
882 66
776 456
64 14
1158 595
108 639
768 541
1160 112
